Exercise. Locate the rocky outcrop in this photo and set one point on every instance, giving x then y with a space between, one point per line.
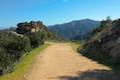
105 43
31 27
27 28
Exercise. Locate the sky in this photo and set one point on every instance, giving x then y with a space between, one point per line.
52 12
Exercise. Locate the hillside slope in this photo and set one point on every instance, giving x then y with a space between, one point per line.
75 30
16 43
104 45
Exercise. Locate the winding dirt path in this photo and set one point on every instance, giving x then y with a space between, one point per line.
59 61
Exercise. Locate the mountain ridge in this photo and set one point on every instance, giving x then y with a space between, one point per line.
74 28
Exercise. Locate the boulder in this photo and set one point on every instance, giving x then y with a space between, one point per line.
31 27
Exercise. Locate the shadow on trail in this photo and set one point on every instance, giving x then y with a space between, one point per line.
113 74
94 75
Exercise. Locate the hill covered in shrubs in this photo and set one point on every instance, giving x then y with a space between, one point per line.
16 43
104 44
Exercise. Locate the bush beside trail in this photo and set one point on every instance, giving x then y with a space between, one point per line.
104 44
14 45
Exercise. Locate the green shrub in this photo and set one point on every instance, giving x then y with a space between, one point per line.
12 47
36 39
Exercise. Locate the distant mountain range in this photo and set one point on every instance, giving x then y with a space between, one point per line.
75 30
1 28
5 27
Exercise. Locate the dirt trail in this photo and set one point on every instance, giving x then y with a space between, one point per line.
59 61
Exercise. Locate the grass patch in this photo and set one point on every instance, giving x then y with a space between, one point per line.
76 45
23 65
56 41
